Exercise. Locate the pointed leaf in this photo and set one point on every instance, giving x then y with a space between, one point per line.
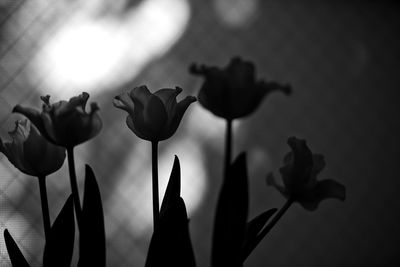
92 232
170 244
231 216
16 256
253 228
60 245
173 191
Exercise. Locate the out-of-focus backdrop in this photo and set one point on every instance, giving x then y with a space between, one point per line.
341 57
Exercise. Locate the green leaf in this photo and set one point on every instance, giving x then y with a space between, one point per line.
173 191
170 244
92 232
231 216
16 256
60 245
253 228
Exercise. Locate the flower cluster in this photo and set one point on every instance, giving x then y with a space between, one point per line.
38 147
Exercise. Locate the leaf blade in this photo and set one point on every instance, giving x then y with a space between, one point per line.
231 216
60 245
170 244
16 257
173 191
92 235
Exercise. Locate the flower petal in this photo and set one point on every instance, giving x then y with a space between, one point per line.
330 189
168 97
155 115
51 156
301 166
181 107
131 125
318 164
14 150
123 101
140 95
75 103
324 189
242 72
268 87
33 115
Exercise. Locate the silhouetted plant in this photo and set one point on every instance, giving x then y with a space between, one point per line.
170 244
67 124
231 93
33 155
299 175
153 117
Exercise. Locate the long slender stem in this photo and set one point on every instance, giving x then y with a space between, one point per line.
154 163
45 206
74 185
267 228
228 146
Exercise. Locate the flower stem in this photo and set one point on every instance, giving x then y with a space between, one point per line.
45 206
267 228
74 185
154 161
228 146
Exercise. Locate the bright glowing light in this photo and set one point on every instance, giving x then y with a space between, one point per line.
93 54
132 201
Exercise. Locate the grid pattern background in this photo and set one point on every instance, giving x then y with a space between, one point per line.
342 59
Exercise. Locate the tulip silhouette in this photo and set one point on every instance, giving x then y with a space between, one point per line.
30 152
65 123
299 175
233 92
153 117
33 155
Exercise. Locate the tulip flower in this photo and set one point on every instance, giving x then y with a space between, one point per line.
299 175
233 92
65 123
153 117
33 155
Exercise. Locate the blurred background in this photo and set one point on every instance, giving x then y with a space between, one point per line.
341 57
